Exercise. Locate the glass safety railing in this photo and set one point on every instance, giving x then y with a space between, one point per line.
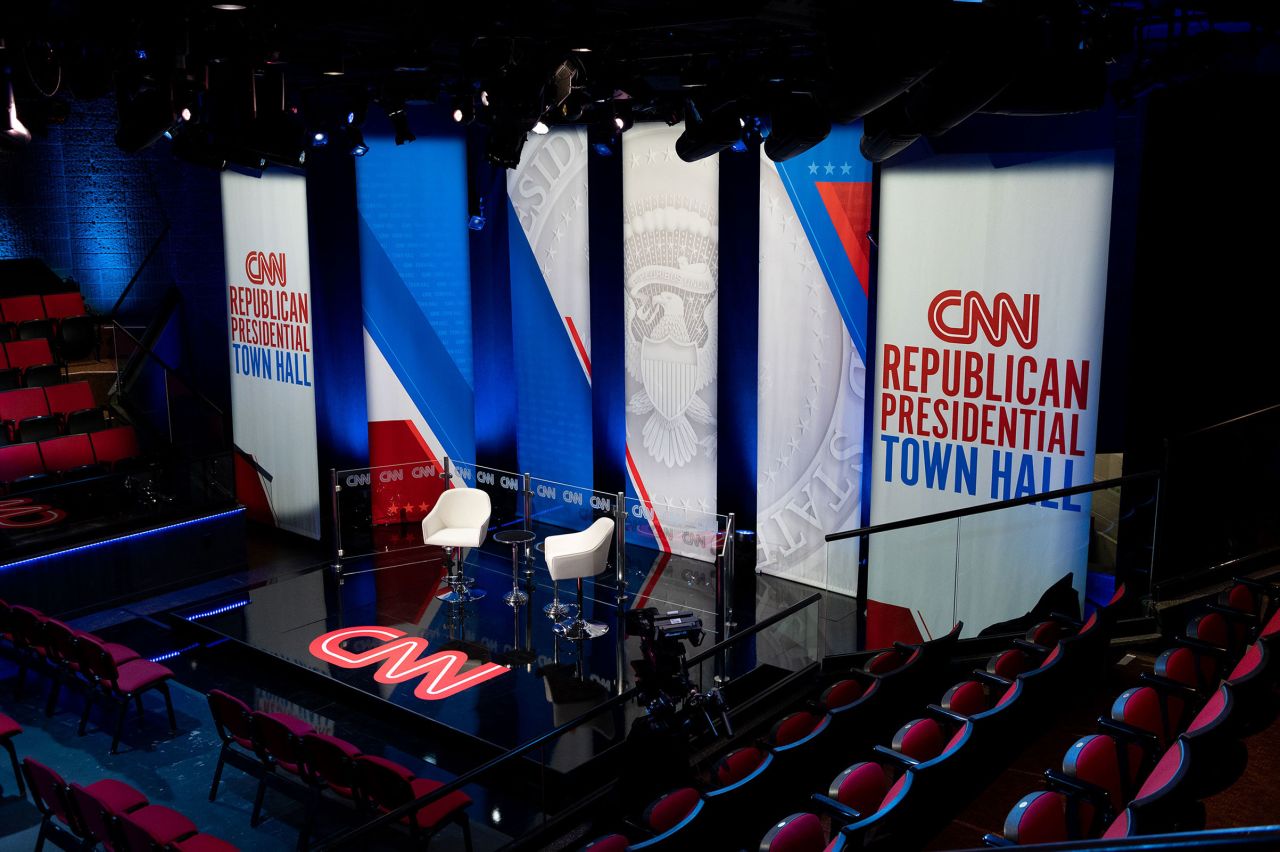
990 566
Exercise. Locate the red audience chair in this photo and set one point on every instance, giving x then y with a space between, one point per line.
35 359
73 402
29 641
115 446
797 833
58 815
231 719
71 456
99 804
1104 769
61 646
25 406
21 467
1046 816
8 730
63 305
26 315
277 740
387 785
121 684
331 761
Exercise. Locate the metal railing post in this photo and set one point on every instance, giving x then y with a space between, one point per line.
335 488
445 474
620 544
528 502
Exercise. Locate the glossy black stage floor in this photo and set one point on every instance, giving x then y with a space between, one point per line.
490 676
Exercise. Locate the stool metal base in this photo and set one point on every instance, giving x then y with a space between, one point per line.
557 611
461 595
515 597
577 629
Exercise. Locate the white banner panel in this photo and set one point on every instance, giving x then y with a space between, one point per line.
991 299
670 236
273 404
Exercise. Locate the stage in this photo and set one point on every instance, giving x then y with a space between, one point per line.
489 676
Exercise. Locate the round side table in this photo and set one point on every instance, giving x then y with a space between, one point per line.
517 539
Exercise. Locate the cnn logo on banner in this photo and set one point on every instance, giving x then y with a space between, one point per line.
997 321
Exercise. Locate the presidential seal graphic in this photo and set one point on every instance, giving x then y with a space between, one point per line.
669 325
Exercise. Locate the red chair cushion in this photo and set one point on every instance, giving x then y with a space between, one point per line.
8 727
18 405
798 833
666 812
1041 817
1119 827
138 675
18 309
297 727
793 727
1141 707
1095 759
610 843
117 796
1211 712
736 765
19 460
885 662
841 694
28 353
72 396
115 444
1009 664
61 305
967 698
1249 663
442 808
66 453
922 739
861 787
1165 774
165 825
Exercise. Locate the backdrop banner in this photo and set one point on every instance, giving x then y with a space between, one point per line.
989 336
815 212
670 236
551 306
273 378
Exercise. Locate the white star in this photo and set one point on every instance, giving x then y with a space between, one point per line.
769 477
635 160
652 155
558 232
845 169
813 168
551 252
565 216
793 445
831 169
577 200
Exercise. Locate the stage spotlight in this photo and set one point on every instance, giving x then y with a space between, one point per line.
464 109
400 123
475 218
319 139
705 137
358 148
506 141
144 104
798 124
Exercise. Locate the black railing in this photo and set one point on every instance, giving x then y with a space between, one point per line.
1252 837
474 775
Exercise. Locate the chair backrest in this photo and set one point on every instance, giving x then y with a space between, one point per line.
69 397
60 641
1108 763
797 833
95 816
60 305
28 625
967 698
273 738
842 693
115 444
920 739
76 338
1009 664
1048 816
28 353
231 717
95 660
668 811
861 787
736 765
1187 666
134 836
465 507
66 453
384 783
49 792
793 727
332 760
1144 708
580 554
20 404
18 309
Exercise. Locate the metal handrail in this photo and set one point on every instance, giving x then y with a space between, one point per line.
1224 423
538 741
993 507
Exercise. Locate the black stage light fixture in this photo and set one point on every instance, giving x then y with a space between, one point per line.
15 134
798 124
506 141
399 118
603 136
705 137
1059 85
144 104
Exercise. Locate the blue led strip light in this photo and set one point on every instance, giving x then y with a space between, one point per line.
169 655
61 553
196 616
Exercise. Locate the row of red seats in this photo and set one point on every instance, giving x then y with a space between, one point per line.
1170 741
35 465
111 813
20 310
276 746
82 661
34 414
61 319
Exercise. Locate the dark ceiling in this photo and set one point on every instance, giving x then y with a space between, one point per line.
267 77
